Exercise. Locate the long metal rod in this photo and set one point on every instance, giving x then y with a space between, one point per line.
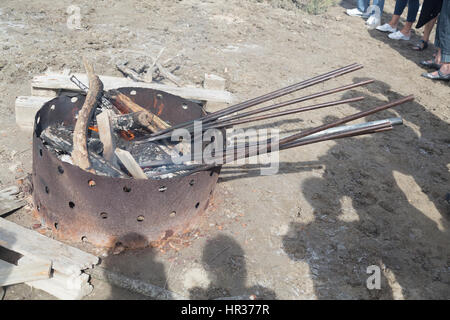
352 117
285 112
268 96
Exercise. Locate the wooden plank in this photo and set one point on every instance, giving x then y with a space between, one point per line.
26 108
11 274
7 206
106 134
66 259
8 200
58 81
39 92
128 162
62 286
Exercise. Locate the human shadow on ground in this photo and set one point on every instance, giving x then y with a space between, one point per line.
363 217
225 262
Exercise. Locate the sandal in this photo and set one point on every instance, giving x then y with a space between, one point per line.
420 46
439 76
431 64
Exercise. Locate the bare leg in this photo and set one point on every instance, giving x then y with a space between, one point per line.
407 28
394 21
428 28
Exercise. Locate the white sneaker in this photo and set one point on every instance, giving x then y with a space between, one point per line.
372 22
398 36
386 28
354 12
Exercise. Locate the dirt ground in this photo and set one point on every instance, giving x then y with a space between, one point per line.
334 208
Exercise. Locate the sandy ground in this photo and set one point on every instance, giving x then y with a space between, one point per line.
334 208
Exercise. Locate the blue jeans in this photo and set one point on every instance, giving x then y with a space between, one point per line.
413 8
442 40
364 4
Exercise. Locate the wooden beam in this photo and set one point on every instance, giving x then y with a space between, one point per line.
59 81
132 166
65 259
11 274
26 108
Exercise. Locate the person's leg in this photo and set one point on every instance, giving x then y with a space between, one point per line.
413 8
362 5
380 4
428 28
442 41
400 5
423 44
360 9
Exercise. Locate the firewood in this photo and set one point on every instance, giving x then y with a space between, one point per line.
59 142
106 134
80 154
130 164
126 105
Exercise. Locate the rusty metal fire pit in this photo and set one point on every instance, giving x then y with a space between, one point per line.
107 211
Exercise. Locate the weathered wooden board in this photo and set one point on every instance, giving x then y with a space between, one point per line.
65 259
58 81
11 274
26 108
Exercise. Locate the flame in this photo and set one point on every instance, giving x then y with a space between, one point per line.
93 128
127 135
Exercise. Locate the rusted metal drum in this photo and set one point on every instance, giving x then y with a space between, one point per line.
106 211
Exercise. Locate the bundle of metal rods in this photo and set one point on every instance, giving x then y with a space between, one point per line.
233 115
335 130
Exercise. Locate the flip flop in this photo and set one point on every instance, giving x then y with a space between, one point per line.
420 46
439 76
431 65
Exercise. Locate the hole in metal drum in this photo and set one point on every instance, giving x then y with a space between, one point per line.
91 183
103 215
162 189
196 205
140 218
126 189
60 170
71 205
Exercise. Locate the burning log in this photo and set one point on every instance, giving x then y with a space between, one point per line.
80 154
148 119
